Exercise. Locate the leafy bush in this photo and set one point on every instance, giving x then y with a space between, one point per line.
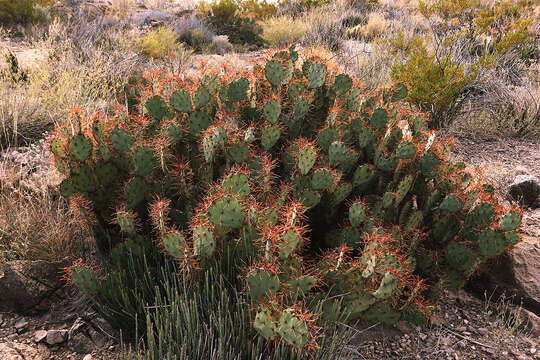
327 190
226 17
20 11
161 43
283 30
467 39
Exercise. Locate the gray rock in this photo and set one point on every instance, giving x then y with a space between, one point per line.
21 324
55 337
525 190
18 351
30 286
151 16
80 344
40 335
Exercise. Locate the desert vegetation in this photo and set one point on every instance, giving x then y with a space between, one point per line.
255 179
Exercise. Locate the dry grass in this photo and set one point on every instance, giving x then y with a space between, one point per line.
283 30
376 27
35 223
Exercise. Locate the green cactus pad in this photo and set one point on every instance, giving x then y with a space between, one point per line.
458 255
342 84
317 75
81 147
451 203
310 198
201 97
403 188
302 284
265 324
227 211
198 121
204 244
126 222
238 90
387 164
209 148
289 242
57 148
300 109
512 238
399 93
274 72
383 313
85 279
238 184
239 151
357 214
482 215
135 191
363 177
491 243
510 221
406 150
262 283
295 89
305 159
326 137
379 118
174 244
359 304
388 286
270 135
293 330
84 181
428 162
106 173
389 200
121 140
144 160
365 137
353 100
180 100
272 111
156 107
322 179
67 189
337 153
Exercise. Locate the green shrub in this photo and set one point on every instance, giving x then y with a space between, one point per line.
20 11
161 44
328 191
226 17
466 40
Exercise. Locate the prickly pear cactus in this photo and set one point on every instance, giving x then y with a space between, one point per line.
331 190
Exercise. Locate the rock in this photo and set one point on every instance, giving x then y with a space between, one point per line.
533 321
40 335
80 344
56 336
17 351
525 190
20 325
87 357
30 286
151 16
516 274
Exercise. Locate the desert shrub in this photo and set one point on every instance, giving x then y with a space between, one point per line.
330 192
376 26
226 17
283 30
466 41
20 11
161 43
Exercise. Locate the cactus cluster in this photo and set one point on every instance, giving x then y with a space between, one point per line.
334 192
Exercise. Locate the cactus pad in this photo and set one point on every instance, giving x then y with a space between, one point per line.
270 135
262 283
180 100
227 211
322 179
204 244
357 214
272 110
274 72
293 330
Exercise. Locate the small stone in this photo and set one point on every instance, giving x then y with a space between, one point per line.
483 331
533 351
422 336
87 357
40 335
56 336
21 325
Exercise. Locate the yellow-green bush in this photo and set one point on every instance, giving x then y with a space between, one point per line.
283 30
20 11
160 43
466 40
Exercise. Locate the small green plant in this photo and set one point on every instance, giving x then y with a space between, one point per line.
327 191
20 11
14 73
161 43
